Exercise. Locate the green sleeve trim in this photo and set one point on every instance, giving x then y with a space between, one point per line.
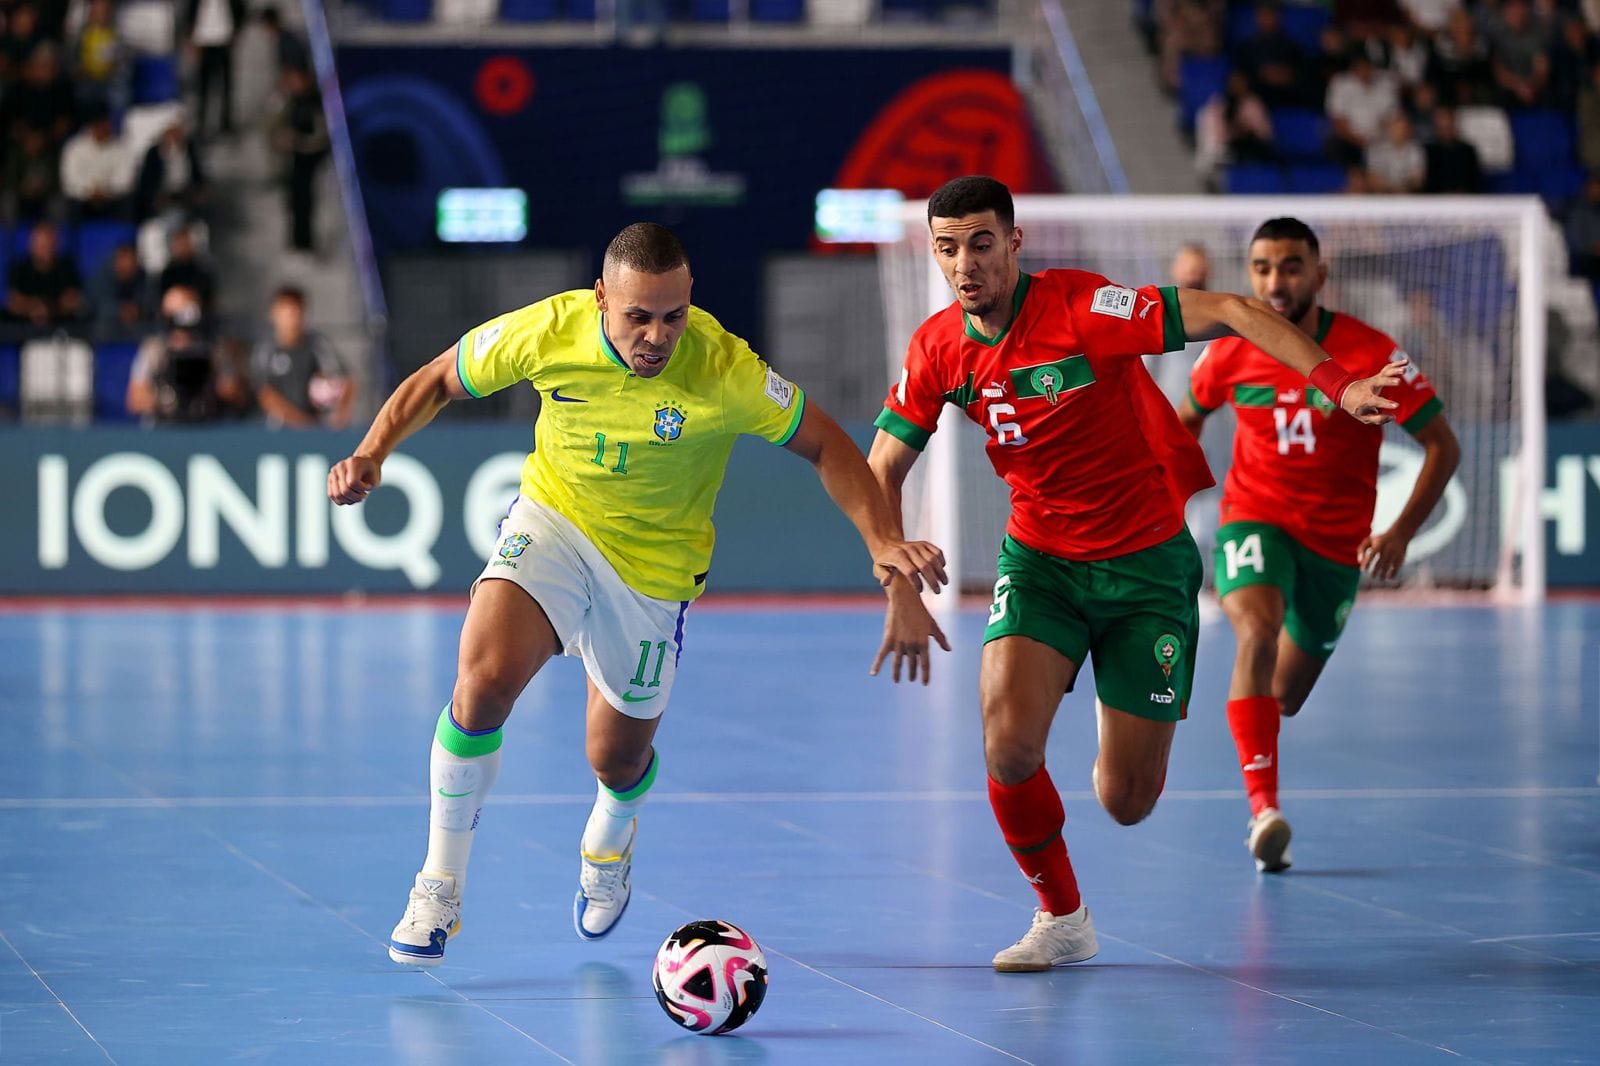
461 367
1173 337
464 745
1198 406
1424 414
638 790
897 425
794 423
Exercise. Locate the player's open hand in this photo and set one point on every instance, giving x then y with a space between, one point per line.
351 479
1382 554
915 560
1364 399
907 629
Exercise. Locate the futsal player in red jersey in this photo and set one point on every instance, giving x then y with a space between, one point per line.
1297 505
1096 561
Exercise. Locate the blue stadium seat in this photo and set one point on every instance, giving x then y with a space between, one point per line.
777 10
527 10
155 79
1305 23
406 10
10 378
1316 178
1254 178
97 240
1300 133
708 10
1542 139
112 366
580 10
1240 24
1199 79
1511 182
909 10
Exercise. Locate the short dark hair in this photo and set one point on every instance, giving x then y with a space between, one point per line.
1287 229
290 292
972 195
647 248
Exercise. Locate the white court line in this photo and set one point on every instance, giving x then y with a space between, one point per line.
37 976
1536 936
586 799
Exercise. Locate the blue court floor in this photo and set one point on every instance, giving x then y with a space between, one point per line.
210 818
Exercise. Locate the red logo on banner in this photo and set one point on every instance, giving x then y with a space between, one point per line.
504 85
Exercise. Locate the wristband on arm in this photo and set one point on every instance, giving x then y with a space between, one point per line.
1331 380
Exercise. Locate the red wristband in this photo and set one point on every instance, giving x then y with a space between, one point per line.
1331 380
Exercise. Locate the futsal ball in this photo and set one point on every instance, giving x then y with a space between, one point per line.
710 977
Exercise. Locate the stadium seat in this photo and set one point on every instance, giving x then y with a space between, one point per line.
97 240
777 10
708 10
112 365
1316 178
1511 182
1304 24
155 79
1300 133
527 10
1199 79
580 10
1541 139
406 10
10 379
1240 24
1254 178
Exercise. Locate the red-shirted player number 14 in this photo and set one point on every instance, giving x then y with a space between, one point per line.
1294 430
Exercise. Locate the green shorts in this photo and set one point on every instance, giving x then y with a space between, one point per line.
1317 592
1134 616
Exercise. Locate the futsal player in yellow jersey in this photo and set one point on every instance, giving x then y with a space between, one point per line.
607 544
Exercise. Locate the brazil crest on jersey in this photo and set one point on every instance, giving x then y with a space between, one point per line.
635 463
1300 463
1095 457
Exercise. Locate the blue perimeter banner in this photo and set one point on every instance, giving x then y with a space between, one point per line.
245 510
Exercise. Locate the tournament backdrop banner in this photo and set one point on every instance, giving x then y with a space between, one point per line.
244 510
729 147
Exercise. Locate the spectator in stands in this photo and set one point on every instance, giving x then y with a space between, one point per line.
1190 269
1452 164
1406 53
288 47
1333 56
181 374
1271 60
1430 16
170 178
43 287
1359 101
21 38
43 99
97 171
1233 127
1460 66
32 175
1589 121
99 62
1396 164
1517 51
213 27
1571 57
1188 28
299 379
1583 236
1357 182
185 270
1420 101
119 294
300 134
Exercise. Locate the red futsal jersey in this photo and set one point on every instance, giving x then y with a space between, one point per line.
1298 462
1096 459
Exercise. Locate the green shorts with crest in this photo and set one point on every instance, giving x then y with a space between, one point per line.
1133 616
1317 592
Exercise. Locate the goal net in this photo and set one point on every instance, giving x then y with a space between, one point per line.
1457 282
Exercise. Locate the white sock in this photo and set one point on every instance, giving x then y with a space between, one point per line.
611 819
461 770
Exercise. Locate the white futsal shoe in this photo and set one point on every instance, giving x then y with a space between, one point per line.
604 887
433 915
1269 841
1051 941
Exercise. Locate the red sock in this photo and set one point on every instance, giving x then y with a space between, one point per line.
1254 721
1031 817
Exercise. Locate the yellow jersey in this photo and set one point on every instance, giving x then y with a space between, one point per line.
635 463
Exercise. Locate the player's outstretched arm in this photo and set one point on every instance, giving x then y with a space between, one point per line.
1382 554
908 629
412 405
1215 314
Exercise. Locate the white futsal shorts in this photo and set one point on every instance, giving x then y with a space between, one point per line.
629 642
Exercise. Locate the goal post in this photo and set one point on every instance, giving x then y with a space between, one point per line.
1458 282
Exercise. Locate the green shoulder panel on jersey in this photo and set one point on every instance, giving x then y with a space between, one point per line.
461 366
902 428
1424 415
794 423
1173 336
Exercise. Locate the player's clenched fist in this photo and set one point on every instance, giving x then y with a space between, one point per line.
351 479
